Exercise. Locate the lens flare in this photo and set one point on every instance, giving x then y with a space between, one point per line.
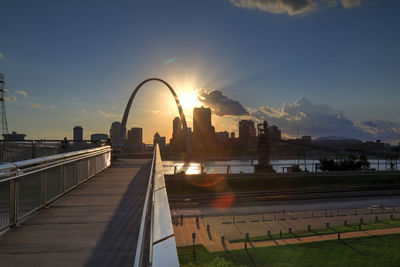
205 180
223 202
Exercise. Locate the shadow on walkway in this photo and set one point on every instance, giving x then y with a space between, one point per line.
117 246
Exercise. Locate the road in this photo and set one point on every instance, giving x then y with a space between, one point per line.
264 206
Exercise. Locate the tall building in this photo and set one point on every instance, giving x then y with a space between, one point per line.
177 142
117 134
247 133
78 133
203 131
135 136
176 127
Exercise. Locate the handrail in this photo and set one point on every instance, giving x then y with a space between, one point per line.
25 167
162 240
29 185
140 244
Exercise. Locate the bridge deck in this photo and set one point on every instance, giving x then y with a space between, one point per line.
96 224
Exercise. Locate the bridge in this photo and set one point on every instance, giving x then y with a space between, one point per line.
78 209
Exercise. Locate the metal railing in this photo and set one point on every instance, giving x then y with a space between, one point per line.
162 249
12 151
27 186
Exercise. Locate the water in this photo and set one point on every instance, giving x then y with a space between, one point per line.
244 166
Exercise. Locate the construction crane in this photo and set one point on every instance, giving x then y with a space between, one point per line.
263 149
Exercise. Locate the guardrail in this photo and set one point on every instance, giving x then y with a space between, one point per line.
12 151
27 186
162 247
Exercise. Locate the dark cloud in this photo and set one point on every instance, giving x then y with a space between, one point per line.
320 120
309 119
381 129
220 104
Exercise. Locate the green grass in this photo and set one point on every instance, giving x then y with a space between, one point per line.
381 224
367 251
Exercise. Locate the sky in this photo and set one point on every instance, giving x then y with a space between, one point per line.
313 67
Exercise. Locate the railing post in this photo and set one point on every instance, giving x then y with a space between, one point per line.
62 178
43 186
13 202
77 172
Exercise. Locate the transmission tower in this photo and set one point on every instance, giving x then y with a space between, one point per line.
3 91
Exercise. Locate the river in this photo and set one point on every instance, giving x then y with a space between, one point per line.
244 166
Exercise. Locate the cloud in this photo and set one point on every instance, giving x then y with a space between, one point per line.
83 110
154 111
1 55
309 119
168 61
21 92
350 3
381 129
107 115
292 7
51 107
37 106
221 105
10 99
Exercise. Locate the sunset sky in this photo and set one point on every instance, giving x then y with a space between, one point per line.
320 67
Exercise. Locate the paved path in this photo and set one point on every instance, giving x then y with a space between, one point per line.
212 241
96 224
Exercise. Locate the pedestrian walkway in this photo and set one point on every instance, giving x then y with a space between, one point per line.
213 242
96 224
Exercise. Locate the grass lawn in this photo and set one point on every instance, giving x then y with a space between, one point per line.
381 224
367 251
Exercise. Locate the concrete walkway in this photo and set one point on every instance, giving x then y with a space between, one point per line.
212 240
96 224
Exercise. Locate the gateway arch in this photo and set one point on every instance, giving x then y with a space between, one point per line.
188 144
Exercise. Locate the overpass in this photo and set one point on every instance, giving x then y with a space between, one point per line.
78 209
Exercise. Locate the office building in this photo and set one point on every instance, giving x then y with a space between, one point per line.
247 134
203 131
135 136
117 134
177 142
78 133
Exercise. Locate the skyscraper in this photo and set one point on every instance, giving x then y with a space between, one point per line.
78 133
177 142
203 131
176 127
247 133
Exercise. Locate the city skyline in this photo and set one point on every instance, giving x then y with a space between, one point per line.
319 68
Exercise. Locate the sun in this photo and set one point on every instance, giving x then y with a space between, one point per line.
189 100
